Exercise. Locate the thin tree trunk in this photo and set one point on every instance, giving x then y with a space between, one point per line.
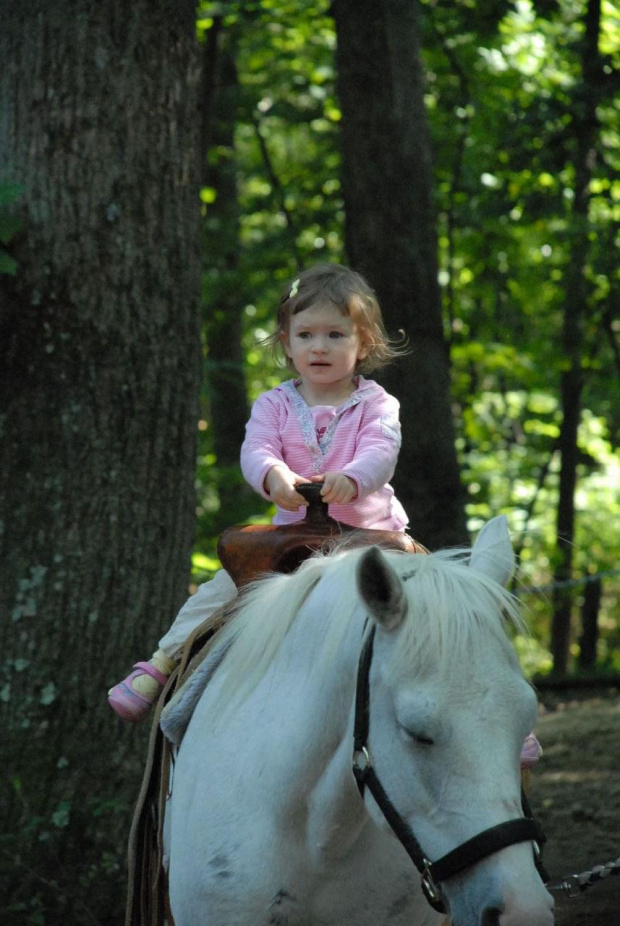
589 624
223 297
391 238
99 378
223 302
585 130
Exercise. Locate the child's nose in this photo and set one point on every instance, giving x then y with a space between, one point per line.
321 344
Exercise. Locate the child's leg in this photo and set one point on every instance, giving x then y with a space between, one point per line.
134 696
210 597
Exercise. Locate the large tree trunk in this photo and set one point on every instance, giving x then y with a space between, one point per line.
99 377
585 130
391 238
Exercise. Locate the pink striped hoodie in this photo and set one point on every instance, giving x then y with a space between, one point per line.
361 440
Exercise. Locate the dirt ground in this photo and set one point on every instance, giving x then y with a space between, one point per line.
575 793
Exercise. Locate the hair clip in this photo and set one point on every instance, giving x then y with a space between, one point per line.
294 289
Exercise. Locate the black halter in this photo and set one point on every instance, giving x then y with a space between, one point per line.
521 829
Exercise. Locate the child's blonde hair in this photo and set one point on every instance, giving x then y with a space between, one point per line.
352 296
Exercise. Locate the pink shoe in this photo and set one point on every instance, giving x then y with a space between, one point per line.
531 752
129 703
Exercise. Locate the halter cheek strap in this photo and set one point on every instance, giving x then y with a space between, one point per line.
521 829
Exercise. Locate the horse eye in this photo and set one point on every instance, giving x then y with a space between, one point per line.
421 739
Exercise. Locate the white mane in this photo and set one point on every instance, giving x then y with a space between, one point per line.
452 609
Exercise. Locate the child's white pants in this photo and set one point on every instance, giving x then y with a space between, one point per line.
210 597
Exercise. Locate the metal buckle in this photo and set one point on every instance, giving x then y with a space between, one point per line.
431 891
571 886
363 755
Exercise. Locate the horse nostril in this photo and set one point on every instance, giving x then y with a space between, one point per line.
490 916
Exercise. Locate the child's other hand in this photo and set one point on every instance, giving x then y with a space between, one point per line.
338 488
280 483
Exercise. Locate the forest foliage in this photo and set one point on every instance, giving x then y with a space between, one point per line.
504 95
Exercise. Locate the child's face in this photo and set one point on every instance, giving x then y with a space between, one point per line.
325 347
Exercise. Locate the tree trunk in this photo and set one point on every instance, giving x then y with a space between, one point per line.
585 130
223 300
593 593
390 234
99 377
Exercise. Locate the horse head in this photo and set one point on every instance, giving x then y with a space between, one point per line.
445 711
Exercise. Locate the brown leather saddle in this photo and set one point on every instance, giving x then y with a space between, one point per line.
246 552
250 551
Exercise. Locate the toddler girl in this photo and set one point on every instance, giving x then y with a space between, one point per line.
328 425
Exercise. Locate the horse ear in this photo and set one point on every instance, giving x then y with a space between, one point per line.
381 589
492 553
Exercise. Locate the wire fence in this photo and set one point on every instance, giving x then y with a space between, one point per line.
594 626
567 583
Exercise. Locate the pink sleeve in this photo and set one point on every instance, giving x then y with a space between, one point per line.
262 447
377 446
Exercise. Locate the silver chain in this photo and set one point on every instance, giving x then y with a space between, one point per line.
574 885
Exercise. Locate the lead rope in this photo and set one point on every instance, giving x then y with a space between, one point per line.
574 885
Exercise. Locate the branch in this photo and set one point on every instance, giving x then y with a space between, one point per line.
529 510
276 186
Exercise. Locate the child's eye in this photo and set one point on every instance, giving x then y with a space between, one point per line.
336 334
304 335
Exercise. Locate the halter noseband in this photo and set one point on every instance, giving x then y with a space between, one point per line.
521 829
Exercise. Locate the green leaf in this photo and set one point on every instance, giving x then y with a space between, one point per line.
9 226
60 817
7 264
48 694
202 563
10 193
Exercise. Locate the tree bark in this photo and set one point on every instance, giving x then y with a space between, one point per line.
585 130
99 378
390 234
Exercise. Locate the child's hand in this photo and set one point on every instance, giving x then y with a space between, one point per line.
338 488
280 483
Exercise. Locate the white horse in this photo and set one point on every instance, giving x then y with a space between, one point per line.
266 823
